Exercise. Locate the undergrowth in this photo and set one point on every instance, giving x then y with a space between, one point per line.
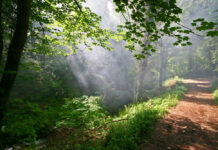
141 118
26 122
214 87
215 95
172 80
84 124
134 123
214 84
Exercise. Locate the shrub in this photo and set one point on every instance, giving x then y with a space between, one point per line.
214 87
82 112
171 80
214 84
25 121
78 119
140 119
215 95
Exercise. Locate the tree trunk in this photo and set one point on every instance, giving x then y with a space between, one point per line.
190 59
14 54
143 65
161 70
163 65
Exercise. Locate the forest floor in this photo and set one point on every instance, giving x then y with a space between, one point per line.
191 125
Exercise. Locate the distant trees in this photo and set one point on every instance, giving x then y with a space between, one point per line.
163 63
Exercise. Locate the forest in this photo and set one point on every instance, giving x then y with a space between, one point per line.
108 74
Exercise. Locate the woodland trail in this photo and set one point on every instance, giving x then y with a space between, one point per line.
191 125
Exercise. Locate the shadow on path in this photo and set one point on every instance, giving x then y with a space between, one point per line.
191 125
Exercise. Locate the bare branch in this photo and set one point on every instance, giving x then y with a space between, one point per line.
78 5
124 17
189 29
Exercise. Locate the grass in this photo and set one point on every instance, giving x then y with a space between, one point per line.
130 127
141 118
172 80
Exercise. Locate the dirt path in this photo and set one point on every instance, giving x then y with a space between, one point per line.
191 125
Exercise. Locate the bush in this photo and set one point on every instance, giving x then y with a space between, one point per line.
25 121
82 112
140 119
78 119
214 87
215 95
85 114
171 80
214 84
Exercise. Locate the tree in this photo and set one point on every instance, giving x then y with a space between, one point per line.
14 53
163 63
67 26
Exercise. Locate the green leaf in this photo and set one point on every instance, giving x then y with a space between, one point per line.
212 33
189 43
194 24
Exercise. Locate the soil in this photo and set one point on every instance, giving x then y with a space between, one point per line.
191 125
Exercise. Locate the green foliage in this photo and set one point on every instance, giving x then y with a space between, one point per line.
214 84
82 112
85 115
154 19
214 87
171 80
202 25
26 121
48 76
58 27
141 118
215 95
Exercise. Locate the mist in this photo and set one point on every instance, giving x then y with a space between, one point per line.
110 74
115 74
